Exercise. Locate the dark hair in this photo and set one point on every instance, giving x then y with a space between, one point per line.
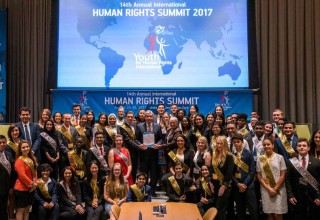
186 142
30 154
189 124
44 167
10 129
303 140
237 136
97 133
2 136
73 181
25 109
89 174
242 116
138 118
91 124
141 174
268 139
76 105
289 122
54 115
129 112
222 117
312 142
203 119
196 107
221 108
178 163
53 128
260 123
101 114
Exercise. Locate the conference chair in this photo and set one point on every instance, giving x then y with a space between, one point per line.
116 211
210 214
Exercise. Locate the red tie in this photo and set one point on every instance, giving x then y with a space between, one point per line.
101 151
303 162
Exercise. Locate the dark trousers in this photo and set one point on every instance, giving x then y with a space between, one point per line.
52 214
305 208
3 206
222 203
149 165
246 198
94 214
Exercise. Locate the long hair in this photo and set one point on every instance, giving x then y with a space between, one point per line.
204 139
89 174
100 115
48 112
73 181
30 154
114 142
204 123
91 123
111 182
53 130
186 142
221 156
189 124
10 129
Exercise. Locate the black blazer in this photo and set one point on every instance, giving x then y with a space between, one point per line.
170 141
6 179
294 189
279 148
52 189
246 178
63 198
141 128
88 192
130 144
91 157
226 170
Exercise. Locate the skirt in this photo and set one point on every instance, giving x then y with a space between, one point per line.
23 198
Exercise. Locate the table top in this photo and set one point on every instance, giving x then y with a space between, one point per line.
175 211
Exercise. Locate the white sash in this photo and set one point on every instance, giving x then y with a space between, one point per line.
100 158
305 174
5 163
122 156
69 193
257 146
50 140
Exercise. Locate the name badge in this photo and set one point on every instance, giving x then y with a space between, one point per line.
70 145
214 176
238 175
196 170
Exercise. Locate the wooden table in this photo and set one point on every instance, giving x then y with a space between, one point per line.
175 211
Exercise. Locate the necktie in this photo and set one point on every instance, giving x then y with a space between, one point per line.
26 131
148 128
303 162
77 121
101 151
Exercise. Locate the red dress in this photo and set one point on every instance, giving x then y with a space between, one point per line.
118 159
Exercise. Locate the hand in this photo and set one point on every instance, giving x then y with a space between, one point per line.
293 201
94 205
79 209
242 187
45 205
156 146
272 192
50 205
143 147
192 188
182 198
33 187
317 202
204 200
221 190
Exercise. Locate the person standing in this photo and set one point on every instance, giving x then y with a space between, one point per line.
6 168
302 182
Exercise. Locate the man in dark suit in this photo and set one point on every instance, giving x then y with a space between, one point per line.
149 155
158 118
6 180
99 152
302 183
243 180
286 145
128 131
30 131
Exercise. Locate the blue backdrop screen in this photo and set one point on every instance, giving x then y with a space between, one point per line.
175 44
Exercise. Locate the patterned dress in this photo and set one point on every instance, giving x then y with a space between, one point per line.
277 204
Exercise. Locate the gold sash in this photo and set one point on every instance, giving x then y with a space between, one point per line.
43 189
243 131
30 164
13 146
175 185
205 187
95 190
129 131
77 163
110 133
67 134
137 192
83 135
198 133
217 173
267 169
241 164
287 146
175 159
213 141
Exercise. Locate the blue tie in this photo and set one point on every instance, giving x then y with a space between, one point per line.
26 131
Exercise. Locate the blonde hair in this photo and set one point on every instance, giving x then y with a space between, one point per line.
221 156
204 139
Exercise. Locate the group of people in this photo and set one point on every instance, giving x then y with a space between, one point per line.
70 166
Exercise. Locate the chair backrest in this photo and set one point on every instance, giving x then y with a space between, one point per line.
210 214
116 211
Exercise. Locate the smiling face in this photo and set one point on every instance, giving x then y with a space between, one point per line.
288 129
267 146
141 181
219 110
94 169
15 133
67 175
112 120
49 126
102 119
25 116
204 171
45 174
198 121
303 148
178 170
180 142
317 139
116 169
119 141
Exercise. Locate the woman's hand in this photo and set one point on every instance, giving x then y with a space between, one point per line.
79 209
221 190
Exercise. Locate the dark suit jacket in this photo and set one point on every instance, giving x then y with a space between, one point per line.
88 192
141 128
170 141
204 130
63 198
294 189
246 178
130 144
279 148
6 179
92 157
52 189
65 140
34 133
